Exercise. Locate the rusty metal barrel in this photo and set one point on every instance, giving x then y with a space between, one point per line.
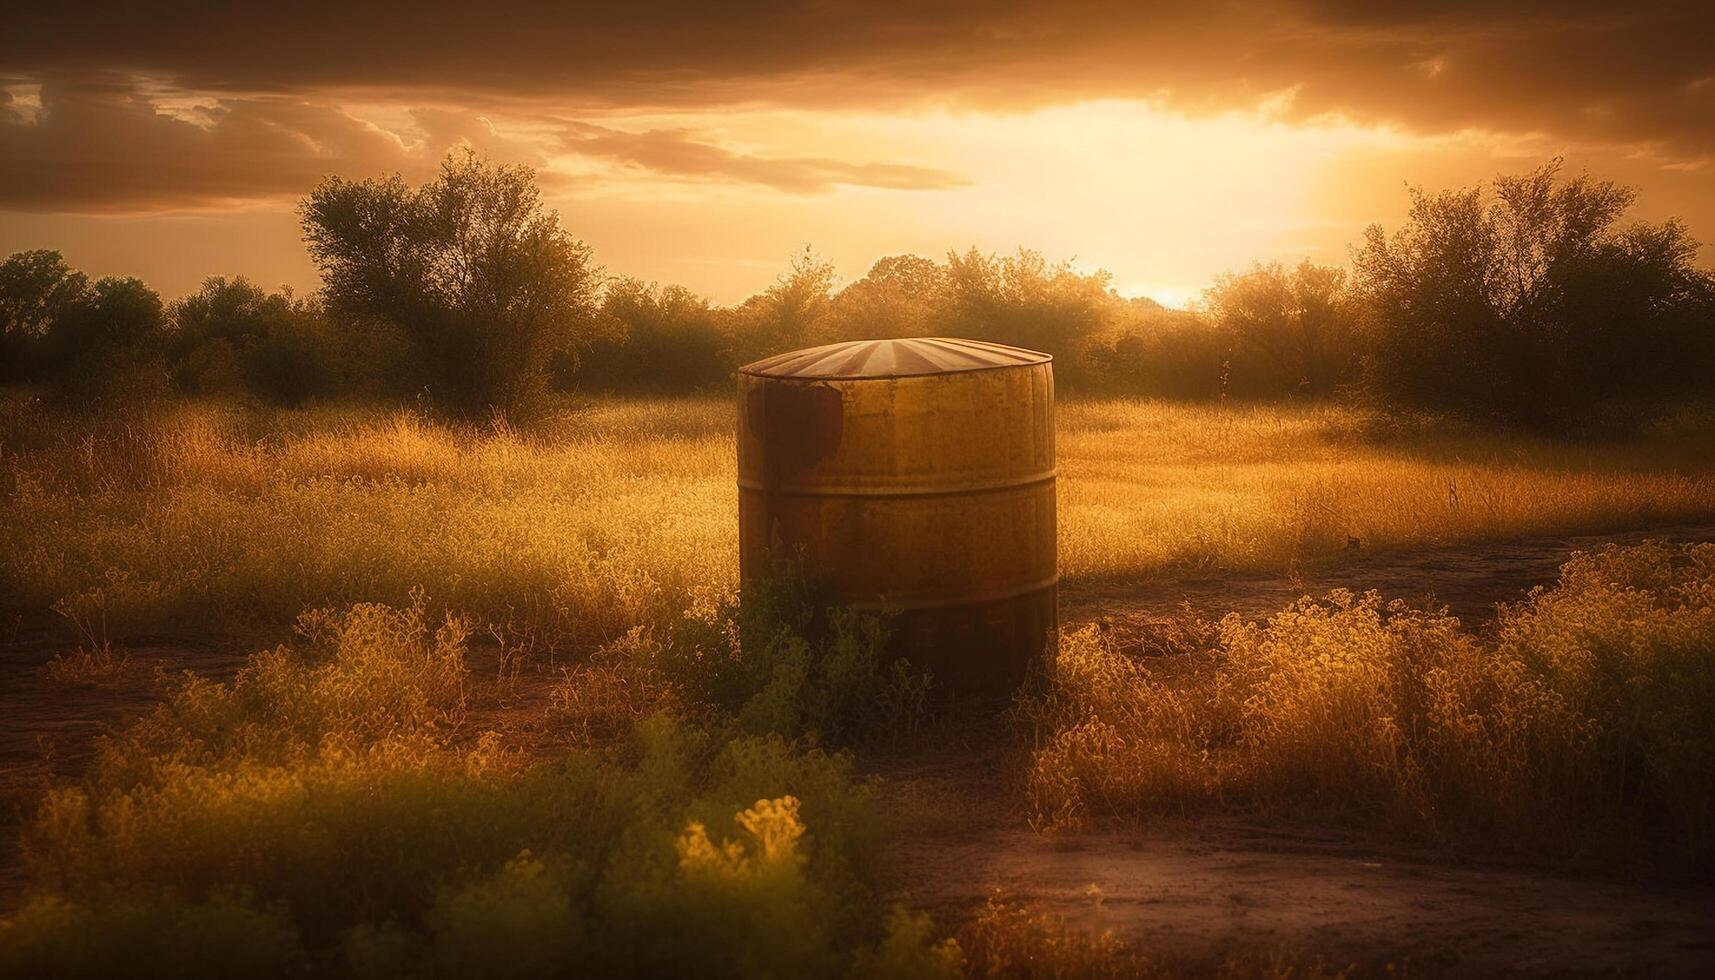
914 477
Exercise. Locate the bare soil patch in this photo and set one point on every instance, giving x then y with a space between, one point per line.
1468 579
1193 897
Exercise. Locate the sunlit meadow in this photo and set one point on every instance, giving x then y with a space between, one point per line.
366 800
613 513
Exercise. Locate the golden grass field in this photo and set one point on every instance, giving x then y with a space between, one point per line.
613 514
660 796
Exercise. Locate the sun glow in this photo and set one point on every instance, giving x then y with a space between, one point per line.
1164 201
716 199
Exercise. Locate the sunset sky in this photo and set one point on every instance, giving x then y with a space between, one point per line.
702 143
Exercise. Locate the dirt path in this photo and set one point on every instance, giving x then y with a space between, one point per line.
1194 897
1470 579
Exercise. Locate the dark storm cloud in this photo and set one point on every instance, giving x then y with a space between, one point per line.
107 144
1639 74
102 144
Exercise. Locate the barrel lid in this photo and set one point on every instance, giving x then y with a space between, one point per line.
906 358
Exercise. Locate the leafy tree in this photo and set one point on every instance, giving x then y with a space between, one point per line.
231 335
1024 301
37 289
234 309
118 312
659 340
1297 321
1155 351
1530 305
902 296
788 315
482 280
106 345
93 341
1020 300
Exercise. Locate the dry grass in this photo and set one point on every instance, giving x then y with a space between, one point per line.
93 662
612 516
603 699
1010 940
213 514
1148 486
84 667
1589 709
334 808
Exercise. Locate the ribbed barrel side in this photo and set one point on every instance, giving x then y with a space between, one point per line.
931 496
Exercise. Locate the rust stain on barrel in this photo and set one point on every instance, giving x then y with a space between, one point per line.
915 476
804 421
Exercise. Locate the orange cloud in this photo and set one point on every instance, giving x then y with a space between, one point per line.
1639 72
115 144
105 145
677 153
702 143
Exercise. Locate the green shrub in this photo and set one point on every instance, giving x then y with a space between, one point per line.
148 937
519 922
329 809
779 661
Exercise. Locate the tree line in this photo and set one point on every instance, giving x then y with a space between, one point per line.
1530 301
